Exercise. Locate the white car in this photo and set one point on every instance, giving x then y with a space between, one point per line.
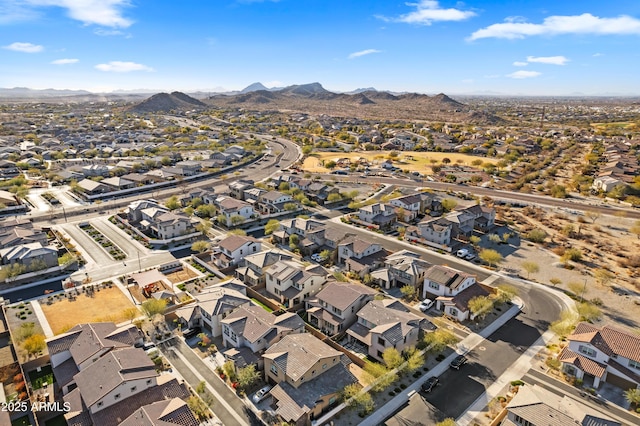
462 252
470 256
426 304
261 394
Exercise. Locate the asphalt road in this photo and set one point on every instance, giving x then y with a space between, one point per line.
488 360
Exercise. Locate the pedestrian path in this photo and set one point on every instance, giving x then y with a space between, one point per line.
37 309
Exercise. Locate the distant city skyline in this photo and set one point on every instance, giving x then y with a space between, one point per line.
475 47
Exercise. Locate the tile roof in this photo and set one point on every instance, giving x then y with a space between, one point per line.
162 413
609 340
446 276
295 354
234 242
387 316
585 364
253 322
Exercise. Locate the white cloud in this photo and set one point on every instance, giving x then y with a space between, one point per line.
64 61
552 60
554 25
118 66
520 64
363 53
24 47
429 11
107 13
595 55
524 74
274 83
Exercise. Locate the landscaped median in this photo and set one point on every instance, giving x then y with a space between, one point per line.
114 251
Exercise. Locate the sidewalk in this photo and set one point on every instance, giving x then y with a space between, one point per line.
467 344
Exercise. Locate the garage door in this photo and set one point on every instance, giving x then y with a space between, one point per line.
620 382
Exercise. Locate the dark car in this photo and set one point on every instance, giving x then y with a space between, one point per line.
431 383
190 332
458 362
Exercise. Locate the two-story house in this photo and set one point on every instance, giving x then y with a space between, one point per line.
408 207
103 378
291 283
230 208
378 214
230 251
213 304
359 255
169 225
249 330
308 376
605 354
386 323
435 232
452 290
402 268
273 202
252 271
33 256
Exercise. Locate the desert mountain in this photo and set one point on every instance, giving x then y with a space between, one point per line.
254 88
23 92
312 98
164 102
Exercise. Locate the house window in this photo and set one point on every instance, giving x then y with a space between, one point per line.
100 404
586 350
519 420
324 366
149 381
116 396
332 400
434 285
453 311
274 369
634 364
133 388
381 341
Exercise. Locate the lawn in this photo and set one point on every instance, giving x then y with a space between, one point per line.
259 303
108 304
39 378
406 160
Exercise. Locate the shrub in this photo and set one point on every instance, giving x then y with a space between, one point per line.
403 386
517 383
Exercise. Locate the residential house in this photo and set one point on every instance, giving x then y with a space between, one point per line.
378 214
14 232
359 255
484 217
95 170
255 329
386 323
308 376
334 308
291 283
402 268
33 256
231 208
253 268
273 202
118 183
452 290
8 199
230 251
602 354
434 232
8 170
237 188
166 225
212 305
168 412
320 192
606 183
91 187
105 379
408 207
535 405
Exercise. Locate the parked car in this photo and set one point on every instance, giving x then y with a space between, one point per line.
470 256
318 257
462 252
426 304
261 394
431 383
191 332
458 362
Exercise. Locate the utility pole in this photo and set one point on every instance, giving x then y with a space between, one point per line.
139 264
583 290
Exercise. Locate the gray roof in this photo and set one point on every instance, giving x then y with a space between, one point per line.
343 294
253 322
234 242
389 318
446 276
295 354
162 413
221 298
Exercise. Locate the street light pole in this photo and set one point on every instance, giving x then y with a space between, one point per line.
583 290
139 264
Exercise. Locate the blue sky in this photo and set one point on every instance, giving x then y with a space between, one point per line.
478 46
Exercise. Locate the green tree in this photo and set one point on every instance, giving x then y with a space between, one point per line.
131 314
408 291
66 259
495 238
200 388
490 256
229 369
172 203
632 396
272 226
240 232
237 220
474 240
447 422
438 340
536 235
593 215
573 254
589 312
577 288
247 376
333 197
392 358
198 407
200 246
603 276
530 267
290 207
414 358
449 204
480 306
555 281
204 226
506 293
330 164
34 344
153 307
564 325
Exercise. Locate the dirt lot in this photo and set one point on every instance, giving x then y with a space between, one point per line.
181 275
107 304
407 160
136 291
603 244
